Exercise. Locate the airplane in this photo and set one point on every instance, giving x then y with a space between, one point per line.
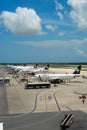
30 69
58 78
21 68
35 70
25 68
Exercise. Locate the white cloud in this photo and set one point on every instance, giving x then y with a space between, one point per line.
50 27
61 33
50 43
79 12
68 47
85 40
80 52
23 21
58 5
59 9
60 15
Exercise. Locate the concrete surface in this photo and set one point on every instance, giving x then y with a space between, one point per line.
23 109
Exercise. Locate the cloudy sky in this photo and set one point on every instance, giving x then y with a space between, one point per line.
43 31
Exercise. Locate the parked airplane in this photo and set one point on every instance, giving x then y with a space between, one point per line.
58 78
35 70
21 68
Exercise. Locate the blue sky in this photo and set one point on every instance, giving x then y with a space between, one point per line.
43 31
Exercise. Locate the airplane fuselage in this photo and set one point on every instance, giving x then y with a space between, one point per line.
56 76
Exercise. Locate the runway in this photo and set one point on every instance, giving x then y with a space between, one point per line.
3 100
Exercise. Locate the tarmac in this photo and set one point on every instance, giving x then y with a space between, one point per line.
43 109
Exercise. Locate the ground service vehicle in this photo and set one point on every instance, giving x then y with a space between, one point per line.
37 85
4 80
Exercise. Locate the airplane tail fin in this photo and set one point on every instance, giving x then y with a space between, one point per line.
46 67
77 70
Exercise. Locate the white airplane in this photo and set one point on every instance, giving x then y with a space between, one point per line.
57 78
14 67
21 68
35 70
26 68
